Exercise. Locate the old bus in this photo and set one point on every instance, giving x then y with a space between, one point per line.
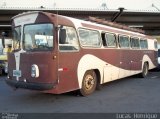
57 54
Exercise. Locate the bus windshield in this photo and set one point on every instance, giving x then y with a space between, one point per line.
38 37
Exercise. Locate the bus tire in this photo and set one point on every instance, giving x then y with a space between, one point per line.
144 70
89 83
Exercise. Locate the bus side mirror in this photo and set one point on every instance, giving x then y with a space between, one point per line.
62 36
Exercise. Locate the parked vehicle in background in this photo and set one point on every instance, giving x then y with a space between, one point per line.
3 55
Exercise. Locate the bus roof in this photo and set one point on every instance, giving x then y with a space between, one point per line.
77 23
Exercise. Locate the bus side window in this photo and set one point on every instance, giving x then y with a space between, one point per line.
124 41
143 43
89 38
111 40
134 43
68 40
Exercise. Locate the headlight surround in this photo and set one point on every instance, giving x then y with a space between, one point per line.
34 71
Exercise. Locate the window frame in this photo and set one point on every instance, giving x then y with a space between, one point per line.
106 39
137 38
89 46
146 40
128 41
78 43
53 33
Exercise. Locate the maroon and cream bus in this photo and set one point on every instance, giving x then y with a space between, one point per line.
57 54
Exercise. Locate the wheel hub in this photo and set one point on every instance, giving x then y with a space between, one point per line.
89 82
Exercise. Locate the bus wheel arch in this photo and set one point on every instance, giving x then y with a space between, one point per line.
145 69
89 82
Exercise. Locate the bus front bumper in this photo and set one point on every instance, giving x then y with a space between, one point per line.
32 86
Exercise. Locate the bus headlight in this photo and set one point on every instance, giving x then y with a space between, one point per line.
34 71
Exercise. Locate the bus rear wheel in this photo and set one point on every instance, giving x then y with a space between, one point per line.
89 83
144 70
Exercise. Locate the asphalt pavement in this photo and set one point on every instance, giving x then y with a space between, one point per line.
128 95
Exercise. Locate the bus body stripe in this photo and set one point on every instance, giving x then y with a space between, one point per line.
86 64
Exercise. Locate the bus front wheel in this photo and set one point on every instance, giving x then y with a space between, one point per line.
89 83
144 70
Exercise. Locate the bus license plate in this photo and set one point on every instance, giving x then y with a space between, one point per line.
17 73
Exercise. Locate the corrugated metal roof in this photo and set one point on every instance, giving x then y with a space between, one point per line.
78 9
148 19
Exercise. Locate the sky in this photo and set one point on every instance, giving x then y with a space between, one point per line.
111 4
